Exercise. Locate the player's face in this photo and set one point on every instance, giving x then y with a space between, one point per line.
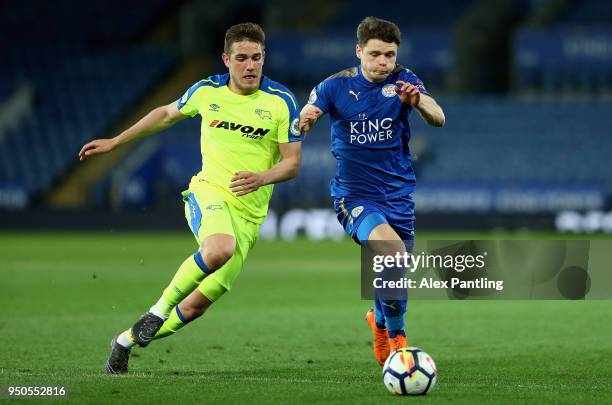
377 59
245 63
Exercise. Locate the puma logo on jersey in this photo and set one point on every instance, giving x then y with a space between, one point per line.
356 95
247 130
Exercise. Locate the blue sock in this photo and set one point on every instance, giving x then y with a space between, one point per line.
394 312
379 315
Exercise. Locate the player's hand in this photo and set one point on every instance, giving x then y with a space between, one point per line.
97 146
246 182
307 120
408 93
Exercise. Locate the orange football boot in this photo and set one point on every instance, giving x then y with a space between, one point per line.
398 342
381 339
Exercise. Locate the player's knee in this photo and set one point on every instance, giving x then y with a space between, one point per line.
217 250
218 257
190 312
194 306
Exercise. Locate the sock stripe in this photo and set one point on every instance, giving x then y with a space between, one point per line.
180 315
395 323
200 262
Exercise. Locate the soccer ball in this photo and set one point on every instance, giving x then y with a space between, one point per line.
409 371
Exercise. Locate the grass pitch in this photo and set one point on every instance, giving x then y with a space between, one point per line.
292 331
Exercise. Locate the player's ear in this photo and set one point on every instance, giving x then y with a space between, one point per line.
358 51
226 59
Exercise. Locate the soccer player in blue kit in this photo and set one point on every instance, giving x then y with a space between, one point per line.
369 106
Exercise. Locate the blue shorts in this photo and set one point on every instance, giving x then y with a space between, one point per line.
359 216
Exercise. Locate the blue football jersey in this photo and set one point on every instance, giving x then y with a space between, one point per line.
369 133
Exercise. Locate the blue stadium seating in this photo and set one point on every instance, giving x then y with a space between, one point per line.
587 14
421 14
66 21
573 56
81 88
507 140
79 101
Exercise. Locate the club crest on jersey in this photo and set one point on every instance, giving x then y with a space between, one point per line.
214 107
389 90
355 212
263 114
313 96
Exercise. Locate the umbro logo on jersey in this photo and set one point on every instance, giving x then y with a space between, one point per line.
247 130
356 95
214 107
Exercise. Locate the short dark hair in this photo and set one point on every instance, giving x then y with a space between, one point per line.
377 28
243 32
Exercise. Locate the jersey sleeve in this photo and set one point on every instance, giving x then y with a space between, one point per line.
289 121
319 96
410 77
186 104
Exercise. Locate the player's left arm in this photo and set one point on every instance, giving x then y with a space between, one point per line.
427 107
288 168
431 112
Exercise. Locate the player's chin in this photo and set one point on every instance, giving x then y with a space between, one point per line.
250 82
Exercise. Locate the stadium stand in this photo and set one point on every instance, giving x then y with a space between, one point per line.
571 53
80 86
591 13
422 14
427 44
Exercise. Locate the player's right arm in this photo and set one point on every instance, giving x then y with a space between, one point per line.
319 103
157 120
309 116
